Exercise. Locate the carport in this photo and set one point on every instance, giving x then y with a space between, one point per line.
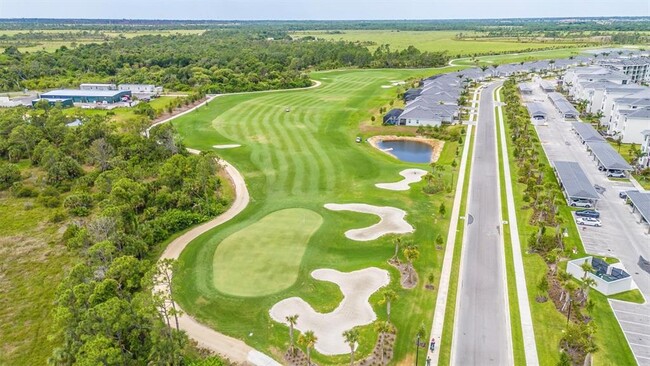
640 202
574 182
586 133
566 109
608 159
536 111
525 88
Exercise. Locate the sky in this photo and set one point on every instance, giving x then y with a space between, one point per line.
319 9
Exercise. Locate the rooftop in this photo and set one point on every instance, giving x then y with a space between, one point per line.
641 200
574 180
587 132
607 156
81 93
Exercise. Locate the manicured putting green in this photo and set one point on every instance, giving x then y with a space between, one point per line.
265 257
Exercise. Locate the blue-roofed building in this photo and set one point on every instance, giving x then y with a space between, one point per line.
392 117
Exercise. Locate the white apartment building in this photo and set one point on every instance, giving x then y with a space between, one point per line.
637 68
629 124
645 148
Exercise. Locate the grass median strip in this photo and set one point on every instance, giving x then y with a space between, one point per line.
515 320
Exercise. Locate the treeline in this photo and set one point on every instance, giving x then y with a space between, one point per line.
120 195
214 62
537 24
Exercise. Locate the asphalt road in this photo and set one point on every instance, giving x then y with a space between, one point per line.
482 327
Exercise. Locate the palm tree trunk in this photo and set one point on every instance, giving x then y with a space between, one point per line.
388 311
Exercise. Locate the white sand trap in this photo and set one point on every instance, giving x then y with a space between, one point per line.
392 221
226 146
353 311
410 176
386 86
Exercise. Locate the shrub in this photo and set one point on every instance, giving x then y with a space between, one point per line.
58 216
20 190
9 174
78 204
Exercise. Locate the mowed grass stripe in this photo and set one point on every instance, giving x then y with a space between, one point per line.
329 175
289 147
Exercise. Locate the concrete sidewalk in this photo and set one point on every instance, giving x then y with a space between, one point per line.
530 348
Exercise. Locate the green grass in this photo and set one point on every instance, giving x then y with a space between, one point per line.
634 296
513 303
304 159
32 263
120 114
450 309
270 260
547 321
520 57
431 41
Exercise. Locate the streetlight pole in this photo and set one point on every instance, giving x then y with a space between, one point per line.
568 314
417 350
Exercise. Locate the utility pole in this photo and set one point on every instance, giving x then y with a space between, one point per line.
417 350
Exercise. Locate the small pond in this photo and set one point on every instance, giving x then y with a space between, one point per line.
408 151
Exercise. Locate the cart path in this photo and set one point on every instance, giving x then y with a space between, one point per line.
233 349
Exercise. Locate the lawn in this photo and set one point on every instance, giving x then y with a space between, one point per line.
271 259
303 159
549 323
432 41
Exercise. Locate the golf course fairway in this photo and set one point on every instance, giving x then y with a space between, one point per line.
254 261
298 153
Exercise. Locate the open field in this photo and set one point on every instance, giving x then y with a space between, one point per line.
32 263
99 37
303 159
432 41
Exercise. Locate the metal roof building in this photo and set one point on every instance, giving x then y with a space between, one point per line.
547 86
566 109
641 204
536 110
87 96
574 181
607 157
525 88
586 132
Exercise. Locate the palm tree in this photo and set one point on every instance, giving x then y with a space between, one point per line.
382 328
292 320
387 297
411 253
398 242
308 339
586 285
351 338
483 67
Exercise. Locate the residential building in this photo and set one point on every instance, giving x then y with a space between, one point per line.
630 123
644 161
637 68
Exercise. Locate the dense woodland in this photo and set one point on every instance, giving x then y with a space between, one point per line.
214 62
119 196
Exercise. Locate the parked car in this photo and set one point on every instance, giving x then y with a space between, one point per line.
588 221
581 203
588 213
616 174
623 194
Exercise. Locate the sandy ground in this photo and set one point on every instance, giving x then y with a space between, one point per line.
410 176
354 310
436 145
226 146
392 221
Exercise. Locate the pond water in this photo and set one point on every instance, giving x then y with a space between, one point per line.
408 151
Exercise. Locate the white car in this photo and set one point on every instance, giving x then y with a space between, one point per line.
616 174
588 221
581 203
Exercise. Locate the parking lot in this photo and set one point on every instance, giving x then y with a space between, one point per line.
621 235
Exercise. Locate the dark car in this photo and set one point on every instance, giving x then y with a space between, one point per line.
588 213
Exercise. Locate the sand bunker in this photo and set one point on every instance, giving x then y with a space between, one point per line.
392 221
410 176
353 311
226 146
